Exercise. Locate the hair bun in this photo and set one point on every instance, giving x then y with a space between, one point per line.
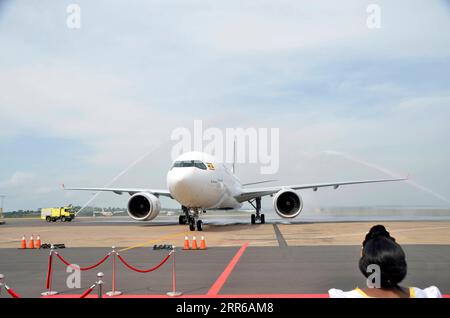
376 232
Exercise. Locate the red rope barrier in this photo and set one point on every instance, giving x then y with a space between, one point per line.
88 291
11 292
83 268
141 270
49 271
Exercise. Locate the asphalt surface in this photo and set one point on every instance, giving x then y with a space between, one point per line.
260 270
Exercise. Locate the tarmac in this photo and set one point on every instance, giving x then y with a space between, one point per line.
276 260
121 231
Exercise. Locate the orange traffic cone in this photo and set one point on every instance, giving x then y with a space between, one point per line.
186 243
203 243
194 243
31 244
38 242
23 244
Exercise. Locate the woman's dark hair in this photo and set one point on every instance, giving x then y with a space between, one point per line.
380 248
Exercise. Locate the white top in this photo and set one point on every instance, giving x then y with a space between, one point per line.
414 292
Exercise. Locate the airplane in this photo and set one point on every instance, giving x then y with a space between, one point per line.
199 183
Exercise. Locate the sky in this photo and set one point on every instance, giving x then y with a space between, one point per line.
78 106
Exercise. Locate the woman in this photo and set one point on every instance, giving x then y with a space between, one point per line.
380 251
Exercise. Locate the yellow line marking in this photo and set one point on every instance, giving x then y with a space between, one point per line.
155 240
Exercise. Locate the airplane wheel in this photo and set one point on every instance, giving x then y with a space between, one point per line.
182 219
192 225
263 219
199 225
253 219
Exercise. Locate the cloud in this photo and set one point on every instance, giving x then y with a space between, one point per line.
69 102
262 27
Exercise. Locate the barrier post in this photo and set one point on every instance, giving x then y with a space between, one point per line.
114 292
7 288
174 292
100 284
1 283
49 291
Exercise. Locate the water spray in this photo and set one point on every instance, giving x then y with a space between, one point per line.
129 167
388 172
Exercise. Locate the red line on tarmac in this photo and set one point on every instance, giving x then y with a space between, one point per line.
252 296
210 296
217 286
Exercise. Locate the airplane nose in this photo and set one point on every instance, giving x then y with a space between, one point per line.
179 181
191 188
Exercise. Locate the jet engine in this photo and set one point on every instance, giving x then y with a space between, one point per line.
144 206
287 203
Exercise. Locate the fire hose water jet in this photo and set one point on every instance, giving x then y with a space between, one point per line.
388 172
129 167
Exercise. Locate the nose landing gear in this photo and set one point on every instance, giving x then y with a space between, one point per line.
193 223
192 219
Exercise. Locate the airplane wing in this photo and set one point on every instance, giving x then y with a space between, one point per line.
258 182
251 193
130 191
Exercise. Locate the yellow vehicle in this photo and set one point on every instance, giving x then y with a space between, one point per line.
64 214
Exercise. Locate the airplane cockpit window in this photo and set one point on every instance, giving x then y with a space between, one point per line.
189 163
200 165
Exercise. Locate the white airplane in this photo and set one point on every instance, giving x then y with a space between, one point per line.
199 183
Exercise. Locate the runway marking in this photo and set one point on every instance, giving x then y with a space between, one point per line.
217 286
155 240
281 241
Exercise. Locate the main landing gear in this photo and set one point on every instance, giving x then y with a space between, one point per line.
258 217
191 217
183 218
